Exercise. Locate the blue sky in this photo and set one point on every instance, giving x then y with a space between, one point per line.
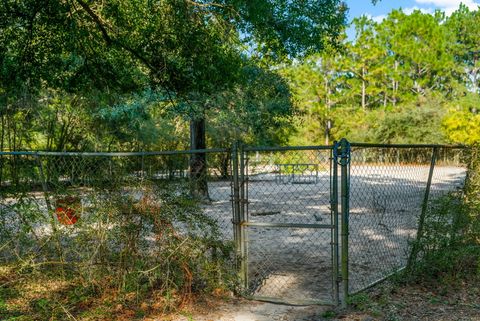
382 8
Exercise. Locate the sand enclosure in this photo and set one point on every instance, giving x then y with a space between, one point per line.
295 264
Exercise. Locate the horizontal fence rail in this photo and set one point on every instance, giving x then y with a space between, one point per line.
116 154
297 224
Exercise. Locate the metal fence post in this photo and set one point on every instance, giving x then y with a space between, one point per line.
345 205
44 187
236 205
421 222
243 218
334 212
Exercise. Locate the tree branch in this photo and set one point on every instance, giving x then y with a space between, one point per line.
112 41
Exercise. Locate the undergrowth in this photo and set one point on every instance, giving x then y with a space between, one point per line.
136 250
449 246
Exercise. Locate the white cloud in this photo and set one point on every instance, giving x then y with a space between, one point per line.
407 11
379 18
412 9
449 6
447 3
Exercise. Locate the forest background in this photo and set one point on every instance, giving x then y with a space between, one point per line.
82 76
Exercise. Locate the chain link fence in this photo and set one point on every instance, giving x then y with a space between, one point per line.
292 224
130 221
389 186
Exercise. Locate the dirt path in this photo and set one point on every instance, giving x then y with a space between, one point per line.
459 301
243 310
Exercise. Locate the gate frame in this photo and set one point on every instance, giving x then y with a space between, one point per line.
343 152
241 219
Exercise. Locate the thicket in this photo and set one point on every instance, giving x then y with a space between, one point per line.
99 246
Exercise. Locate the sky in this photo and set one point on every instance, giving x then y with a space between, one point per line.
377 12
383 7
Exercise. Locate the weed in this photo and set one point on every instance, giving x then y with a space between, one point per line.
449 247
136 243
329 314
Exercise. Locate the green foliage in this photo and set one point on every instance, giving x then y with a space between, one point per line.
130 75
257 111
360 301
87 67
408 79
462 123
329 314
135 239
449 244
396 126
290 27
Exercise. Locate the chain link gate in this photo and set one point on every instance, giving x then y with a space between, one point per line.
302 234
287 223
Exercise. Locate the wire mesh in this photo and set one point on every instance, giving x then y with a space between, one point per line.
290 264
113 210
137 215
449 172
289 252
387 191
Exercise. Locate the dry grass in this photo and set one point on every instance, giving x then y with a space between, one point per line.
49 297
422 301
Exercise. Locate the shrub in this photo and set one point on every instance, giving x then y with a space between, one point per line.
134 240
449 246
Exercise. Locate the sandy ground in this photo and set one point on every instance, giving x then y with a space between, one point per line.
241 310
295 264
459 301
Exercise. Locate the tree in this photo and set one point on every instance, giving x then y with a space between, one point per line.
189 49
259 110
314 84
423 49
383 85
465 26
462 123
364 63
192 49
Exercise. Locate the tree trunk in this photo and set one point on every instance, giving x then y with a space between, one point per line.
385 97
328 105
363 89
225 164
198 161
395 85
475 74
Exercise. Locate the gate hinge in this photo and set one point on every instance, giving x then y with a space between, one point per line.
341 152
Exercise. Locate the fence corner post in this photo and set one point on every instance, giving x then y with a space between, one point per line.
334 219
421 222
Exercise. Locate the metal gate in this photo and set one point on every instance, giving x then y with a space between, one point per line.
287 222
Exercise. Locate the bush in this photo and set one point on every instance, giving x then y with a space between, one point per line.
449 247
134 241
